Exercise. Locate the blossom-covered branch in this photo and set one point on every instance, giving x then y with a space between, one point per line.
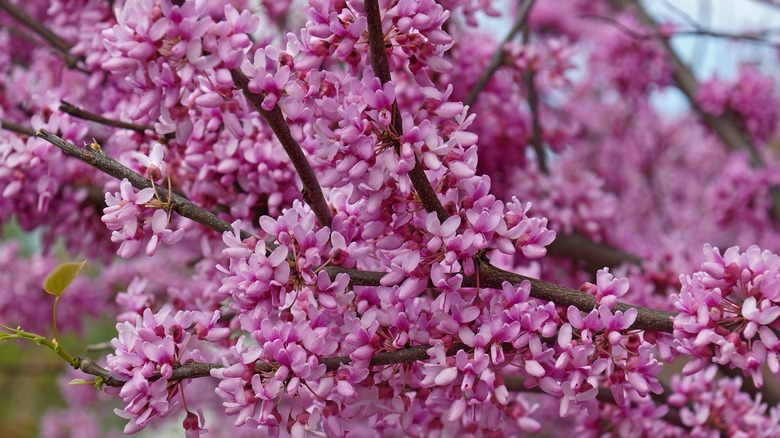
489 276
407 291
381 67
108 165
312 192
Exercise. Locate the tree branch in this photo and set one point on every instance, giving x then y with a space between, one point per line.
381 67
533 104
312 192
17 128
492 277
696 32
724 126
498 57
50 37
110 166
73 110
194 370
596 255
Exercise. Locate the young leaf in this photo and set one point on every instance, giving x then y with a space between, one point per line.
61 277
81 382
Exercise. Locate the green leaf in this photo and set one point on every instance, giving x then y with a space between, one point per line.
61 277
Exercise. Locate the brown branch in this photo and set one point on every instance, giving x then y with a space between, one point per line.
492 277
533 104
724 126
312 192
194 370
17 128
498 57
50 37
73 110
596 255
381 67
110 166
536 127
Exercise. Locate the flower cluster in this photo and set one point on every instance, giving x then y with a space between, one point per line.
705 400
750 97
147 351
729 312
125 217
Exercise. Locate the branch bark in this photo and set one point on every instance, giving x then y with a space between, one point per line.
17 128
110 166
196 370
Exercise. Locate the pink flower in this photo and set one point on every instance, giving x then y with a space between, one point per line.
161 232
155 167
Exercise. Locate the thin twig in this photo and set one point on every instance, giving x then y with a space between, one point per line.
681 33
312 192
533 104
17 128
54 40
80 113
498 57
573 246
724 126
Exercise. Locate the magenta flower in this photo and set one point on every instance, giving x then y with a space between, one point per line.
724 305
122 216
